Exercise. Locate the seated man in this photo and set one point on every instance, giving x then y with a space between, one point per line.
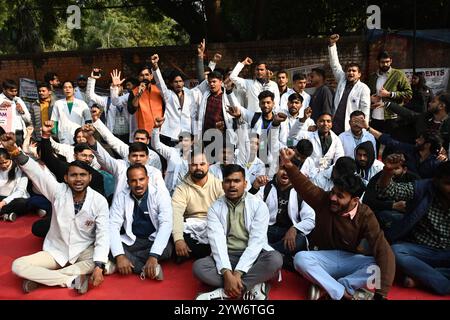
241 260
324 179
366 163
191 200
143 210
424 253
77 243
341 223
291 218
356 134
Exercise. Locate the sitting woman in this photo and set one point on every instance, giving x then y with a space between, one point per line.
13 188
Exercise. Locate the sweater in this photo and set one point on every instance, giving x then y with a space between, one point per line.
336 232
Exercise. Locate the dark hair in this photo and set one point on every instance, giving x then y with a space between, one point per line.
185 134
77 131
305 147
2 131
353 64
383 55
142 131
49 76
324 113
266 94
350 183
215 75
66 81
80 164
357 113
137 147
136 166
232 168
145 67
319 71
175 73
44 85
345 165
134 81
260 63
445 99
295 96
442 170
434 140
298 76
12 170
221 71
282 71
9 84
421 77
80 147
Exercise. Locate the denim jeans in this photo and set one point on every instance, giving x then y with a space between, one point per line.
275 236
429 266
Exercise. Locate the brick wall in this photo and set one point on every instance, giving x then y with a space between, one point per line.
279 54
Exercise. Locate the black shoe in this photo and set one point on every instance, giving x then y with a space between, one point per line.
9 217
29 285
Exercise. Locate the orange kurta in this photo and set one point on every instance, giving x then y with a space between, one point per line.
150 107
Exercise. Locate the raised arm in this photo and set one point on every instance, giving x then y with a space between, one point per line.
90 91
160 147
115 143
335 65
234 76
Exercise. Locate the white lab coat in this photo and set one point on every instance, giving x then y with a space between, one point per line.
256 222
69 234
160 213
303 218
18 121
359 97
253 88
69 122
349 144
285 98
68 152
122 102
122 148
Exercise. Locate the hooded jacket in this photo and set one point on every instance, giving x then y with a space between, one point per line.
373 165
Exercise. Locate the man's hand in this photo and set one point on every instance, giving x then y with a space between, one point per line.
278 118
375 99
150 267
9 141
97 277
95 114
155 60
232 284
201 48
5 104
312 128
88 132
286 155
115 78
269 74
142 87
182 249
307 114
124 265
220 125
393 162
47 128
247 61
234 112
96 70
377 105
442 156
19 108
30 130
229 85
289 239
217 57
399 206
362 123
260 181
333 39
384 93
159 122
2 204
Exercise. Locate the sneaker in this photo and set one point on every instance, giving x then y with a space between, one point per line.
315 292
81 283
41 213
218 294
258 292
9 217
159 274
363 294
29 285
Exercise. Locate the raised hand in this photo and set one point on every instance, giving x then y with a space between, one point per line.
360 122
221 126
247 61
307 114
159 122
235 112
96 70
260 181
333 39
217 57
201 48
115 78
47 128
155 60
286 155
8 141
278 118
229 85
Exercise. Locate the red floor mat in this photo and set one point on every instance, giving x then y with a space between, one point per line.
179 284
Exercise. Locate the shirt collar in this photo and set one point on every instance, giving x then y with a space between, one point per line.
234 205
139 200
352 213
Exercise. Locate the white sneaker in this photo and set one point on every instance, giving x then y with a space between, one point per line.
258 292
218 294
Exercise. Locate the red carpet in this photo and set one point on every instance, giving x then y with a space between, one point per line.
16 240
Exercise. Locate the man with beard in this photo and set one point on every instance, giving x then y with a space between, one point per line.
388 84
423 157
322 99
80 89
180 104
424 253
242 260
366 164
299 84
334 262
298 118
144 212
190 202
41 109
77 243
355 135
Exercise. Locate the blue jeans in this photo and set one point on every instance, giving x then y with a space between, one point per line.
351 270
275 236
429 266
